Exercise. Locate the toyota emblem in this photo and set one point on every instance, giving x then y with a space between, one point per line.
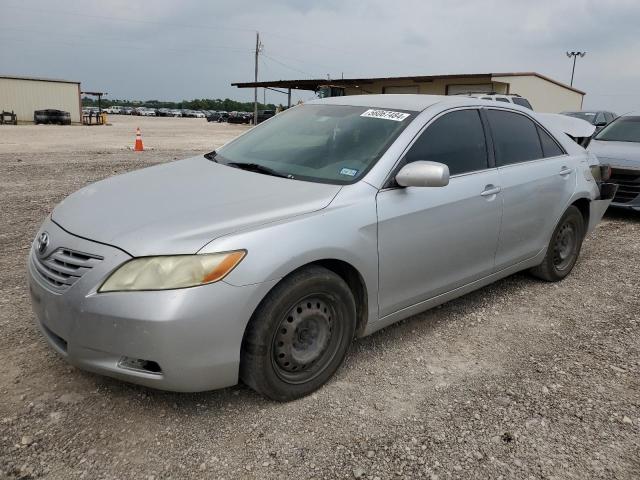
42 243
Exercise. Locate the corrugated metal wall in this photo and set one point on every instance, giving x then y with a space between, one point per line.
25 96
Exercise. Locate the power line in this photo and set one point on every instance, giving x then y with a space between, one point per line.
288 66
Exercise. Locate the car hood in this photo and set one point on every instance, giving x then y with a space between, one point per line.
178 207
616 154
575 127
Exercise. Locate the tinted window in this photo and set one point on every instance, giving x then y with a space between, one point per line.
455 139
515 137
599 118
502 99
549 146
523 102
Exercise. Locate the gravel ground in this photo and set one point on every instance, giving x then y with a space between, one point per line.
522 379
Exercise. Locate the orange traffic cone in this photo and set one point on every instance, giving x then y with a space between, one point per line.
138 147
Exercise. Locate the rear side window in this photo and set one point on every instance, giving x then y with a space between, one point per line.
455 139
523 102
515 137
549 146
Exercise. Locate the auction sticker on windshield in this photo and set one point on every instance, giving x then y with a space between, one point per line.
385 115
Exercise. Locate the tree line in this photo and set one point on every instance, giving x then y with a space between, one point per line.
196 104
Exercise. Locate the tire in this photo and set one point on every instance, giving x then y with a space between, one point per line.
299 335
564 247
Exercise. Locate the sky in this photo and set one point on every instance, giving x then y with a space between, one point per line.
174 50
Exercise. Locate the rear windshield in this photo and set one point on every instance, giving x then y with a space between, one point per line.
623 129
319 143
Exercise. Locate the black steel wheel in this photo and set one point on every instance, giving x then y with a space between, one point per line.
299 335
564 247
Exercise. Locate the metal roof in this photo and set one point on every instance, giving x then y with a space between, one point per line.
412 102
38 79
314 84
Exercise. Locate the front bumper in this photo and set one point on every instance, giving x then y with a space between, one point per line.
193 334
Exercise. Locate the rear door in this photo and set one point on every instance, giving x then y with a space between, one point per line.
434 239
537 178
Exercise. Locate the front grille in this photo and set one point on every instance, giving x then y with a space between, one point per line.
63 267
629 184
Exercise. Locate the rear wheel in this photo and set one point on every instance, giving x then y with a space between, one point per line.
299 335
564 247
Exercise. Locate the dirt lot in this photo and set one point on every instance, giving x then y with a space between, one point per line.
522 379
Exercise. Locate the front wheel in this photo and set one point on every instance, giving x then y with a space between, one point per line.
564 247
299 335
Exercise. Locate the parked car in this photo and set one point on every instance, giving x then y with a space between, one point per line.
127 111
145 112
499 97
175 113
113 110
239 117
333 220
51 115
597 118
265 115
618 144
217 117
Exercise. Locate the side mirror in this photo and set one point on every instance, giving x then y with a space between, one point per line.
423 174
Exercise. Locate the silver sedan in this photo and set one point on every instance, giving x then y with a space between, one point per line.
262 261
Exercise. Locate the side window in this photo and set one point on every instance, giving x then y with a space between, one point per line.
523 102
502 99
515 137
455 139
599 118
549 146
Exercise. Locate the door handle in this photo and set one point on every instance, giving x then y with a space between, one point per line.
490 190
564 171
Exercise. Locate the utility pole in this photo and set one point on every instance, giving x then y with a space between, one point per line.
575 55
255 89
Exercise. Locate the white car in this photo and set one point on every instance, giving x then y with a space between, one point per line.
498 97
147 112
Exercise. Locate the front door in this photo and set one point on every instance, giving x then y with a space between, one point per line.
434 239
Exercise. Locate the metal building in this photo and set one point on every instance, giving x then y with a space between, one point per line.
24 95
545 94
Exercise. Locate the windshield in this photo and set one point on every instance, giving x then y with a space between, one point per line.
588 116
623 129
320 143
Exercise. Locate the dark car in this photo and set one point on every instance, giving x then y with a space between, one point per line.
265 115
51 115
217 117
597 118
239 117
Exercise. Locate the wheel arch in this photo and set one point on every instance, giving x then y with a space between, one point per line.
352 277
584 205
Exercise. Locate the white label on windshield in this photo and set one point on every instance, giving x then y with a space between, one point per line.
385 115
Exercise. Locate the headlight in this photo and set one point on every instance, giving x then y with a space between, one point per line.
169 272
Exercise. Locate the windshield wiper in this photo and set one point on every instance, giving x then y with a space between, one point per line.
211 156
255 167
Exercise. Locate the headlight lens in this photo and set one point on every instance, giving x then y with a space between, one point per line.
169 272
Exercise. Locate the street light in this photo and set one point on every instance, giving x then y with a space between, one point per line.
575 55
